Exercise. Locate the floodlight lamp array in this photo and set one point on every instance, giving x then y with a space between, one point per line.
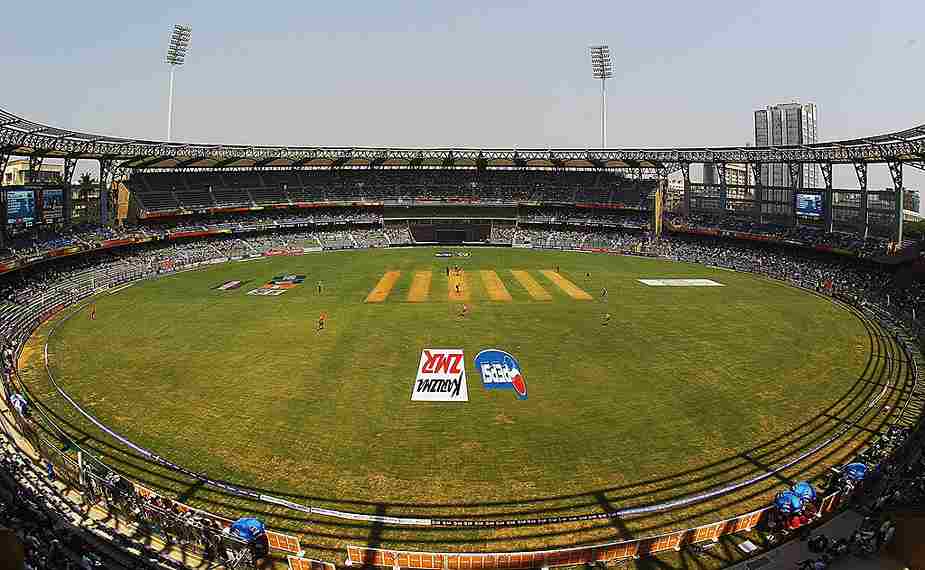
601 63
178 44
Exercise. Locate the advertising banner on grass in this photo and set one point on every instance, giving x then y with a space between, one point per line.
501 371
441 376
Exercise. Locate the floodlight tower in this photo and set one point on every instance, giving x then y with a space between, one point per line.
602 68
176 55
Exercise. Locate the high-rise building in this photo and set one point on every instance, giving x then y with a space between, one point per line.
785 125
911 200
736 174
17 173
675 190
736 179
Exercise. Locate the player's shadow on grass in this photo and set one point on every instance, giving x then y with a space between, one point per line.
615 521
190 491
375 535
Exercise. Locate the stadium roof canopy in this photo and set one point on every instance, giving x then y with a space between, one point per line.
21 137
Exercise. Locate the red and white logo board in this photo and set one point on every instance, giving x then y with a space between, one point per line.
441 376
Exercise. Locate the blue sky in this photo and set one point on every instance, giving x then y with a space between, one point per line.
475 74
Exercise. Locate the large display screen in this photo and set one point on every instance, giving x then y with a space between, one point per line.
20 208
809 205
52 206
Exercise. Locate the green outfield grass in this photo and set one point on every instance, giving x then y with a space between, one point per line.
246 389
685 390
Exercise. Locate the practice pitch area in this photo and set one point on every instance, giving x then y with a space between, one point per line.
633 397
458 287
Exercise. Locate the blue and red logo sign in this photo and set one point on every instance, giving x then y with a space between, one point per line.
500 370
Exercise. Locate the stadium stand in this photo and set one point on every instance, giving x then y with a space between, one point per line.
158 201
336 240
268 195
560 226
557 229
231 197
806 235
398 234
369 238
155 190
38 504
502 233
534 196
191 199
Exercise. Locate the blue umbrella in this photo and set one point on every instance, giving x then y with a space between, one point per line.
19 403
788 502
805 491
855 471
248 529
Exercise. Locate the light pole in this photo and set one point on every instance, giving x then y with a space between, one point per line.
176 55
602 68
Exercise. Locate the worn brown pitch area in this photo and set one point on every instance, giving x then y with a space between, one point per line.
530 284
461 280
382 289
420 286
494 286
569 288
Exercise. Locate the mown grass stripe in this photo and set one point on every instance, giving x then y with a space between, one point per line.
531 285
567 287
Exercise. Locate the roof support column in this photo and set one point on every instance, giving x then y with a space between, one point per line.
106 171
896 172
686 195
796 182
759 194
298 177
4 158
827 201
35 166
660 197
120 175
860 168
70 166
723 190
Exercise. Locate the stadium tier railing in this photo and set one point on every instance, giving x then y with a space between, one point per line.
608 552
204 533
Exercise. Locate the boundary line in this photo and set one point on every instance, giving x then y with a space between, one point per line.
416 521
